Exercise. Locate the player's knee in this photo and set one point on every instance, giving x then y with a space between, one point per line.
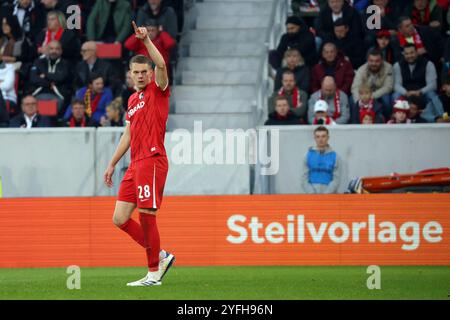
118 221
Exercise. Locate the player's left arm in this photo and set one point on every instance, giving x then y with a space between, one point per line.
162 80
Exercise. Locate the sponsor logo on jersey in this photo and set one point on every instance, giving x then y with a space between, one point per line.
141 96
133 110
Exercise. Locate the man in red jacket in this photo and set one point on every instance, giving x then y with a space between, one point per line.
332 63
160 38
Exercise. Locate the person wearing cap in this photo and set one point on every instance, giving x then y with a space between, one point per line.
321 167
400 113
366 116
321 116
297 36
160 38
384 45
337 101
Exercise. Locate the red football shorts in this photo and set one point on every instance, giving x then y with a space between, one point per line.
144 182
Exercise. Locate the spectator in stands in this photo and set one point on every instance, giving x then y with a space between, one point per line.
282 114
321 166
164 15
401 111
7 81
334 10
390 11
332 64
56 30
306 8
4 116
383 44
297 36
415 110
367 116
109 21
321 116
128 89
426 13
29 118
50 76
59 5
337 100
160 38
294 62
378 76
297 98
114 114
424 39
364 103
438 109
31 17
95 96
93 64
79 118
414 76
14 47
351 47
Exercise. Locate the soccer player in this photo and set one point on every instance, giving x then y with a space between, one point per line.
143 183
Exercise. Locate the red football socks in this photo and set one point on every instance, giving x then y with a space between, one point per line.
134 230
151 240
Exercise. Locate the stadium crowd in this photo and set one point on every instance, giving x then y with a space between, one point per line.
331 67
47 54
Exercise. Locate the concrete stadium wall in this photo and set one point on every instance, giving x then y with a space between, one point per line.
365 151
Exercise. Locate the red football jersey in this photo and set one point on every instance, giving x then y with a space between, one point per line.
147 114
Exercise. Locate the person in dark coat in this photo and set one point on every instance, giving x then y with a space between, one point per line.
29 118
297 36
295 63
282 115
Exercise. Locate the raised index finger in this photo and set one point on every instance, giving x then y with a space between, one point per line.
134 26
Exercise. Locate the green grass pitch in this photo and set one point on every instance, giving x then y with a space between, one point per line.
230 283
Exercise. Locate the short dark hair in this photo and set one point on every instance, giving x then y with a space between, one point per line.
409 45
94 76
77 101
340 22
401 20
141 59
374 52
321 128
418 101
280 98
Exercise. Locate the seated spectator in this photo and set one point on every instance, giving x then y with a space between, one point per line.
332 63
95 96
415 110
128 89
400 113
294 62
367 116
109 21
93 64
164 15
414 76
364 103
297 36
321 166
296 97
426 13
334 10
351 47
337 100
79 117
56 31
7 81
383 44
438 109
321 116
378 76
59 5
114 114
31 17
160 38
29 118
14 47
4 116
424 39
307 8
50 76
282 114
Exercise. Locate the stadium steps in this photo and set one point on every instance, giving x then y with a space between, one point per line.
218 70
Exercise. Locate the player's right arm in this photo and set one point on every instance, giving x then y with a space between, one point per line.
122 148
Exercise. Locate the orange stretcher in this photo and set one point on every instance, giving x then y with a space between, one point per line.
432 178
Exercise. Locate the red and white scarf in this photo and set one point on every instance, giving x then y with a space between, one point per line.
368 105
73 123
50 36
295 96
337 104
416 39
